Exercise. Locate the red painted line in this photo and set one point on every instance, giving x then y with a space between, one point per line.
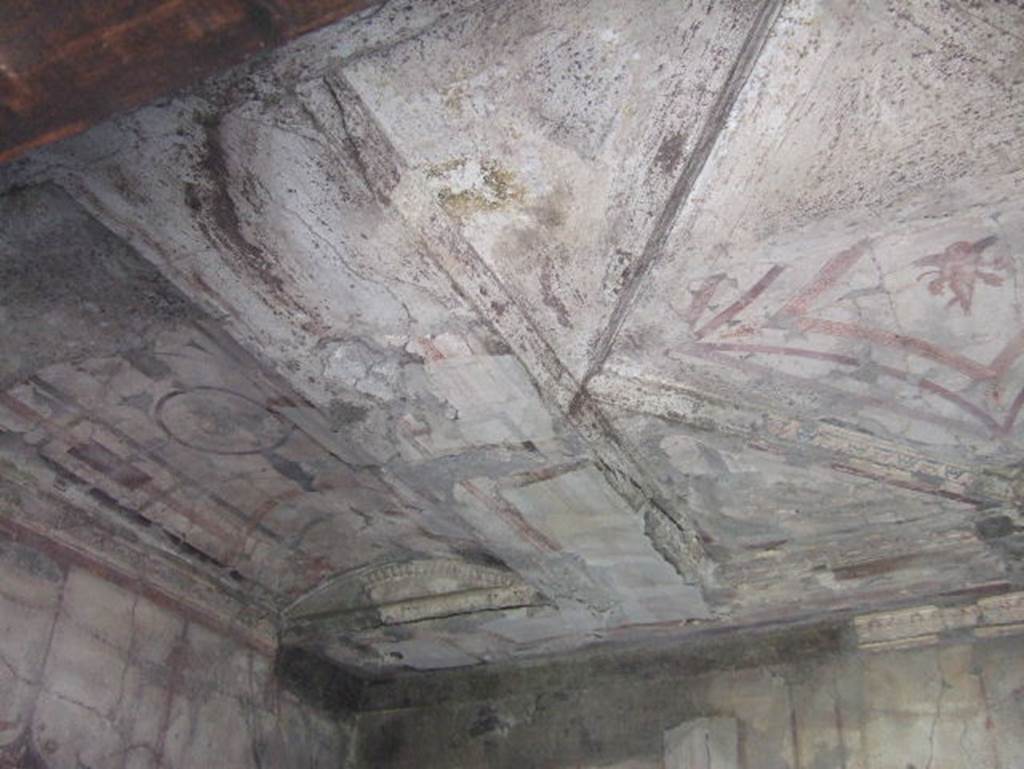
1009 354
910 486
702 298
976 411
707 350
1011 416
23 410
743 302
68 555
203 519
837 715
234 553
511 515
847 360
826 278
970 368
796 352
433 354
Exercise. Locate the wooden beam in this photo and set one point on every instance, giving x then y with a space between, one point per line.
67 65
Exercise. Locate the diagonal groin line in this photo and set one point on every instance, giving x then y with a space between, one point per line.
654 248
468 273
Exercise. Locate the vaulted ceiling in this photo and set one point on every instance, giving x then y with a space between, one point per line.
459 332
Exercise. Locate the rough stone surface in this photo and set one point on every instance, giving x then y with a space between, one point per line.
643 319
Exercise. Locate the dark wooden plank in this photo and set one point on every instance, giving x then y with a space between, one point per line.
67 64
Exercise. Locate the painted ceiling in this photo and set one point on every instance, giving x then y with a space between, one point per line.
463 332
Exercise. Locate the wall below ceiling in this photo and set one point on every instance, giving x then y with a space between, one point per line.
92 674
794 701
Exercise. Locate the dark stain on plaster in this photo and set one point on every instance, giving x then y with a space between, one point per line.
548 287
671 541
193 199
670 152
317 681
616 275
185 547
475 554
221 206
369 151
995 526
104 461
686 178
342 413
147 363
31 561
486 721
22 754
561 679
1004 533
876 567
70 289
550 210
389 742
107 502
291 470
557 713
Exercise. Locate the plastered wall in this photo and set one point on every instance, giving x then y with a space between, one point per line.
950 706
93 676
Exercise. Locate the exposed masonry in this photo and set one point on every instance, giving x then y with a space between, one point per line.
638 311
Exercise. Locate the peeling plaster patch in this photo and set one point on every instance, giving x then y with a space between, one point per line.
579 98
342 413
676 545
32 563
581 512
464 188
492 401
694 457
439 346
359 365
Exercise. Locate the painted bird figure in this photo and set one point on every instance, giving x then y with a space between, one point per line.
959 266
